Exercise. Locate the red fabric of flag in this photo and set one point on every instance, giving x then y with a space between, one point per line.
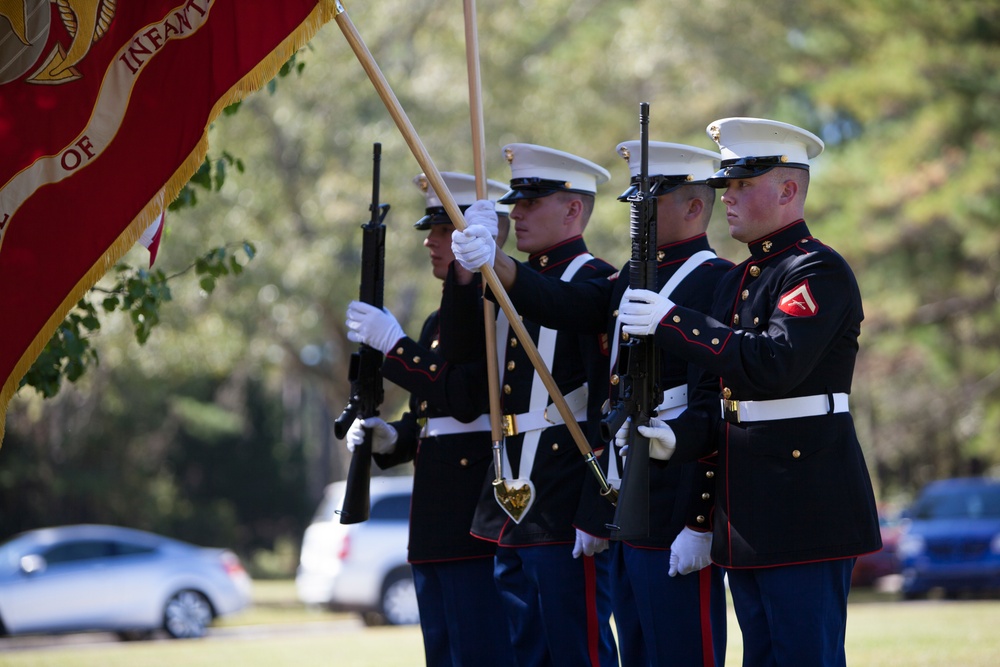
104 107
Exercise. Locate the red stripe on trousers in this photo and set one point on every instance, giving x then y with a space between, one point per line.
593 629
705 613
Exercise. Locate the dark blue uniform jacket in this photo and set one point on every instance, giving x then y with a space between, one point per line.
785 323
449 469
559 470
679 495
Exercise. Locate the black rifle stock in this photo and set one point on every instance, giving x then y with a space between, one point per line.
365 371
638 362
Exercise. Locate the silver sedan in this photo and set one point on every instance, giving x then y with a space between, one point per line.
93 577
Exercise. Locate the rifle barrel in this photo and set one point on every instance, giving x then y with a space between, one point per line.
365 372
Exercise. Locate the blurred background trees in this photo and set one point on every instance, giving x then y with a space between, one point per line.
219 428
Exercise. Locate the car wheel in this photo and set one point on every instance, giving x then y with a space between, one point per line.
399 600
187 615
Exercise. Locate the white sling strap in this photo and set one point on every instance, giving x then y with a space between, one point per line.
546 346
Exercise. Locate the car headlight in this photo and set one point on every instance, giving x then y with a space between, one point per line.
911 546
995 544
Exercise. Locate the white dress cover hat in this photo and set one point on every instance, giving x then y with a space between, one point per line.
753 146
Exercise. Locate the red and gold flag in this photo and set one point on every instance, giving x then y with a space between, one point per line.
104 108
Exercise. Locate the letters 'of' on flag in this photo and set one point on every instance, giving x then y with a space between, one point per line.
90 154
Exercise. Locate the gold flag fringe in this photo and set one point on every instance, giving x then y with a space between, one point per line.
263 72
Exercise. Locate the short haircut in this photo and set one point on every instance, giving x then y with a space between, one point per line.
586 201
705 193
800 176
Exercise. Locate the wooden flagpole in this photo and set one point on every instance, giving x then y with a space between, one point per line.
482 192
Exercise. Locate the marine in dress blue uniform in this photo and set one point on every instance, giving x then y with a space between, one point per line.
660 619
794 505
559 606
446 434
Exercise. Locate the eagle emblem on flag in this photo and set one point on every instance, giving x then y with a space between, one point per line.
86 21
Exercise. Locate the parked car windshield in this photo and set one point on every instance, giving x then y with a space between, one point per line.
960 504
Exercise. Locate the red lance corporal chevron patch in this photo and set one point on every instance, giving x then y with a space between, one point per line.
799 301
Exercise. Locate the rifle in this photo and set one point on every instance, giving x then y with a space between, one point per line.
365 371
638 386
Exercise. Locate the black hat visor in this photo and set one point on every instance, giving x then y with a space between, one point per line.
534 188
435 215
658 185
749 167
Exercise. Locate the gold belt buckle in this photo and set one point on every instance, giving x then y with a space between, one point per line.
509 425
731 410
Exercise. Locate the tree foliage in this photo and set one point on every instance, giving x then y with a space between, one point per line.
137 292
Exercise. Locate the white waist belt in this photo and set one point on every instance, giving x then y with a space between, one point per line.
435 426
550 416
675 402
673 398
737 412
511 424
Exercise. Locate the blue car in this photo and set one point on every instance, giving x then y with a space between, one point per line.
951 540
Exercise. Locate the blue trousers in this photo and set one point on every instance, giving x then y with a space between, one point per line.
461 618
793 615
559 607
666 621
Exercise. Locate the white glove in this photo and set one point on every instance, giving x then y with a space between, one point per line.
474 247
372 326
588 545
383 436
641 310
483 212
621 437
690 552
661 439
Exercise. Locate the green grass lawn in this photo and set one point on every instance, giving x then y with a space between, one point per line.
882 632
